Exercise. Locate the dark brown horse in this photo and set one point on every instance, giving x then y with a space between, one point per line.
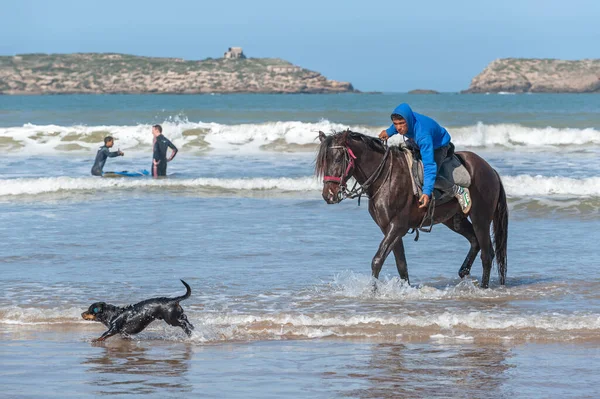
395 208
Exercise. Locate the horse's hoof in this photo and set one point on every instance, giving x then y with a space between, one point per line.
374 288
463 273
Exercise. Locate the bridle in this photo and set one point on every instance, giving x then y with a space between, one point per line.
349 165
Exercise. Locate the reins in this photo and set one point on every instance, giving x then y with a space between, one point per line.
358 190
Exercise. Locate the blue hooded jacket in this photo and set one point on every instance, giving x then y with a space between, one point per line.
428 135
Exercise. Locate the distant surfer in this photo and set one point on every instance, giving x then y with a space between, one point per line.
159 156
103 153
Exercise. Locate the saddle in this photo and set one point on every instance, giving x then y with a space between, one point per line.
452 169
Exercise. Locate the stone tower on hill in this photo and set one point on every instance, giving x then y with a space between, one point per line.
234 53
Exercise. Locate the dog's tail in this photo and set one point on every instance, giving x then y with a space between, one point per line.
187 293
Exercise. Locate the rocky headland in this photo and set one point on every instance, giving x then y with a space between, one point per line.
524 75
423 91
94 73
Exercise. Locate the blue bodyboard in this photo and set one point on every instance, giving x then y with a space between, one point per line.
125 173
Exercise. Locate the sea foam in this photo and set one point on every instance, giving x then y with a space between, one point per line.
515 186
282 136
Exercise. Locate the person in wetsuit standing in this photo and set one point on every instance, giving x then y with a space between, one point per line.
103 153
159 156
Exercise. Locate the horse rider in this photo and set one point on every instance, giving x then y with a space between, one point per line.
433 142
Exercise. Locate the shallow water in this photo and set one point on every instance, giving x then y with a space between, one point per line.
282 298
319 368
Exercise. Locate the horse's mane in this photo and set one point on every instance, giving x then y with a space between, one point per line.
373 143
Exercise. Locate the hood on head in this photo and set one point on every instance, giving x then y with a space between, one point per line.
406 112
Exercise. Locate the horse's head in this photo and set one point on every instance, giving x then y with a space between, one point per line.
335 163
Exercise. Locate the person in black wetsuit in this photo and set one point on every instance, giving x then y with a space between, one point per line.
159 155
103 153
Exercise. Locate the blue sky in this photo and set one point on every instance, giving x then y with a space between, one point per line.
376 45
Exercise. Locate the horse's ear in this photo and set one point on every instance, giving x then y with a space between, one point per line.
322 136
345 135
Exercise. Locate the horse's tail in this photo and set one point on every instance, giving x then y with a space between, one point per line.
501 233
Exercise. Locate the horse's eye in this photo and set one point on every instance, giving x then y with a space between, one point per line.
338 160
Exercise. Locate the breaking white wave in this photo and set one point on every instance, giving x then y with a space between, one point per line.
40 316
544 186
35 186
476 320
516 186
281 136
47 139
521 137
348 308
225 326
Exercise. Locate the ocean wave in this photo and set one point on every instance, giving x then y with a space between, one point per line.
343 308
473 320
44 185
544 186
271 136
443 324
516 186
47 139
521 137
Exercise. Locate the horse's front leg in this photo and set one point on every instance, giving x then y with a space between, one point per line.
390 240
401 260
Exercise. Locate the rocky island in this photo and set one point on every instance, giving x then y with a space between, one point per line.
423 91
522 75
95 73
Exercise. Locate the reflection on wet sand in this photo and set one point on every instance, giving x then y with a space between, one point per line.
134 367
423 370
